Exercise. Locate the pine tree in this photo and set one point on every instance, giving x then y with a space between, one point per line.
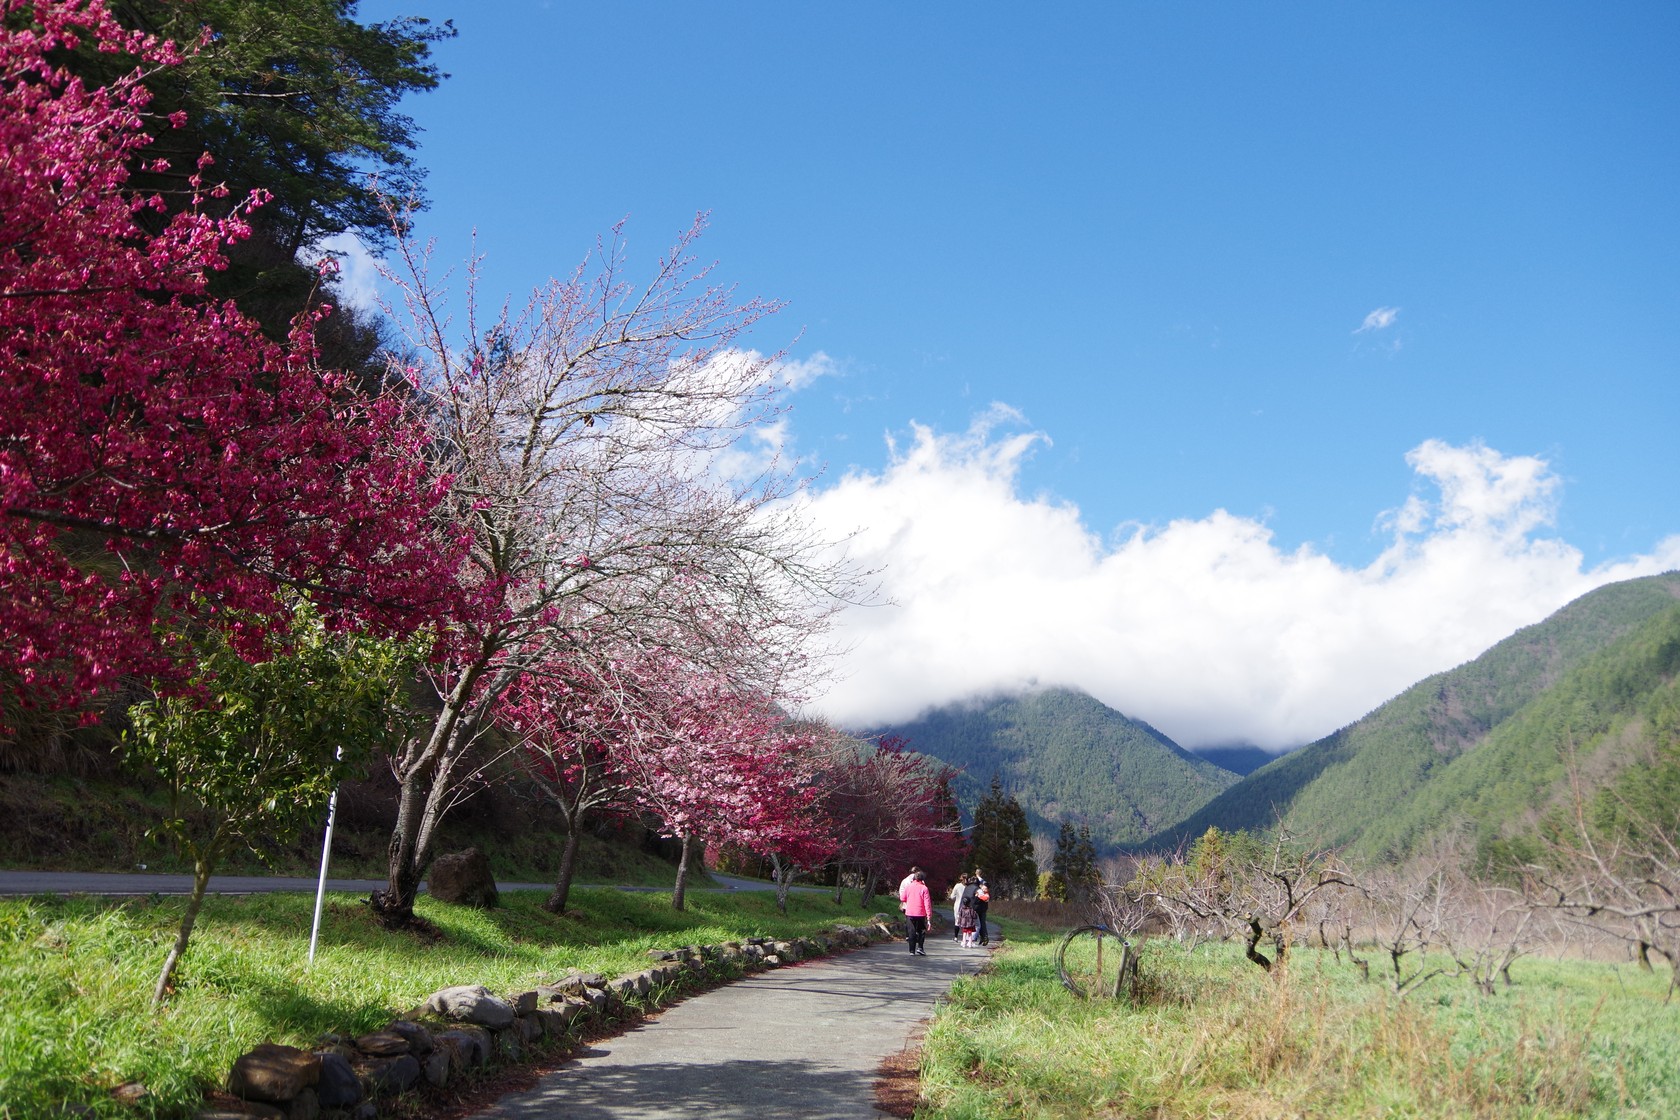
1002 843
1074 876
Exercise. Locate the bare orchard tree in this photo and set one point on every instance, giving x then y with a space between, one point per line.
1492 927
1258 893
1282 884
598 448
1407 912
1623 881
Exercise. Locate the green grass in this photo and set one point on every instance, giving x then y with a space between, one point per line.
1213 1036
77 976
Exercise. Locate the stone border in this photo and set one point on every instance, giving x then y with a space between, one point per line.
462 1029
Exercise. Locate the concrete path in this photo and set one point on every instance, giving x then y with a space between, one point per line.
802 1041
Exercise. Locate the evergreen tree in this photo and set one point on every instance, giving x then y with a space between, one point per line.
1001 843
296 98
1073 876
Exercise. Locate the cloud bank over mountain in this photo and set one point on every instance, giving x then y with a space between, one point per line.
1204 626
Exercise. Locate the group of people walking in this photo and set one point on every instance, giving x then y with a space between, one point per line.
969 897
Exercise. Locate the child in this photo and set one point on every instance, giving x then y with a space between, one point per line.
968 923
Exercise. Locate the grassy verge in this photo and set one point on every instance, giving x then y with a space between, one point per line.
1215 1037
78 972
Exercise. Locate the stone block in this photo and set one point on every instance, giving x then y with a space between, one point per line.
470 1003
339 1086
464 878
418 1036
305 1106
274 1073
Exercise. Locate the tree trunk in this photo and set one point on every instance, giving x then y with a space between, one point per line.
870 885
556 903
1253 954
839 878
202 867
782 874
421 805
678 892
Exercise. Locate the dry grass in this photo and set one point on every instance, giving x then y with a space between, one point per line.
1216 1037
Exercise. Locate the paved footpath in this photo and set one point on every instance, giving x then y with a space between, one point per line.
129 883
802 1041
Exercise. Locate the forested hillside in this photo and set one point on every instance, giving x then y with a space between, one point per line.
1483 746
1069 758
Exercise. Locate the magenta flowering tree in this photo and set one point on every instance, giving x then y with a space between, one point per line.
563 720
894 810
162 463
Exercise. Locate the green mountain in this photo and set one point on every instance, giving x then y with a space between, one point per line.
1487 747
1067 757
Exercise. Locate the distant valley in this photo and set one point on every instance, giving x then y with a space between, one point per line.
1479 753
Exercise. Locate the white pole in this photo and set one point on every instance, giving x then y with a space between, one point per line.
326 854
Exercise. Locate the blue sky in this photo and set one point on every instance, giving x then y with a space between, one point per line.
1379 299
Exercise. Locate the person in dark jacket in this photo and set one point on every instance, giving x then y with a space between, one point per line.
982 897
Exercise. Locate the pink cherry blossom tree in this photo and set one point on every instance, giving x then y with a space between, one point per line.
156 451
596 440
723 765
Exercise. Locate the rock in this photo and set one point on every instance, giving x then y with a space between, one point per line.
470 1003
525 1002
419 1038
576 981
305 1106
398 1075
469 1047
339 1086
665 954
382 1044
554 1021
463 878
436 1068
527 1027
274 1073
771 961
251 1110
367 1110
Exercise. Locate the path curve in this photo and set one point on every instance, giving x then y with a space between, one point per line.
804 1041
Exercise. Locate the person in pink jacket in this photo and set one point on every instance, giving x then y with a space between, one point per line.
918 907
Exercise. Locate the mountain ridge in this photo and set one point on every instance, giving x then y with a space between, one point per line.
1068 757
1342 788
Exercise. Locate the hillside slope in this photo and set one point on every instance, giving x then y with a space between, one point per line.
1068 757
1363 786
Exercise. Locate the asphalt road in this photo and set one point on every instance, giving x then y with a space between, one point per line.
85 882
804 1041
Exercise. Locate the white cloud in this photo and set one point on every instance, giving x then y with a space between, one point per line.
796 373
1380 319
1204 627
358 272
